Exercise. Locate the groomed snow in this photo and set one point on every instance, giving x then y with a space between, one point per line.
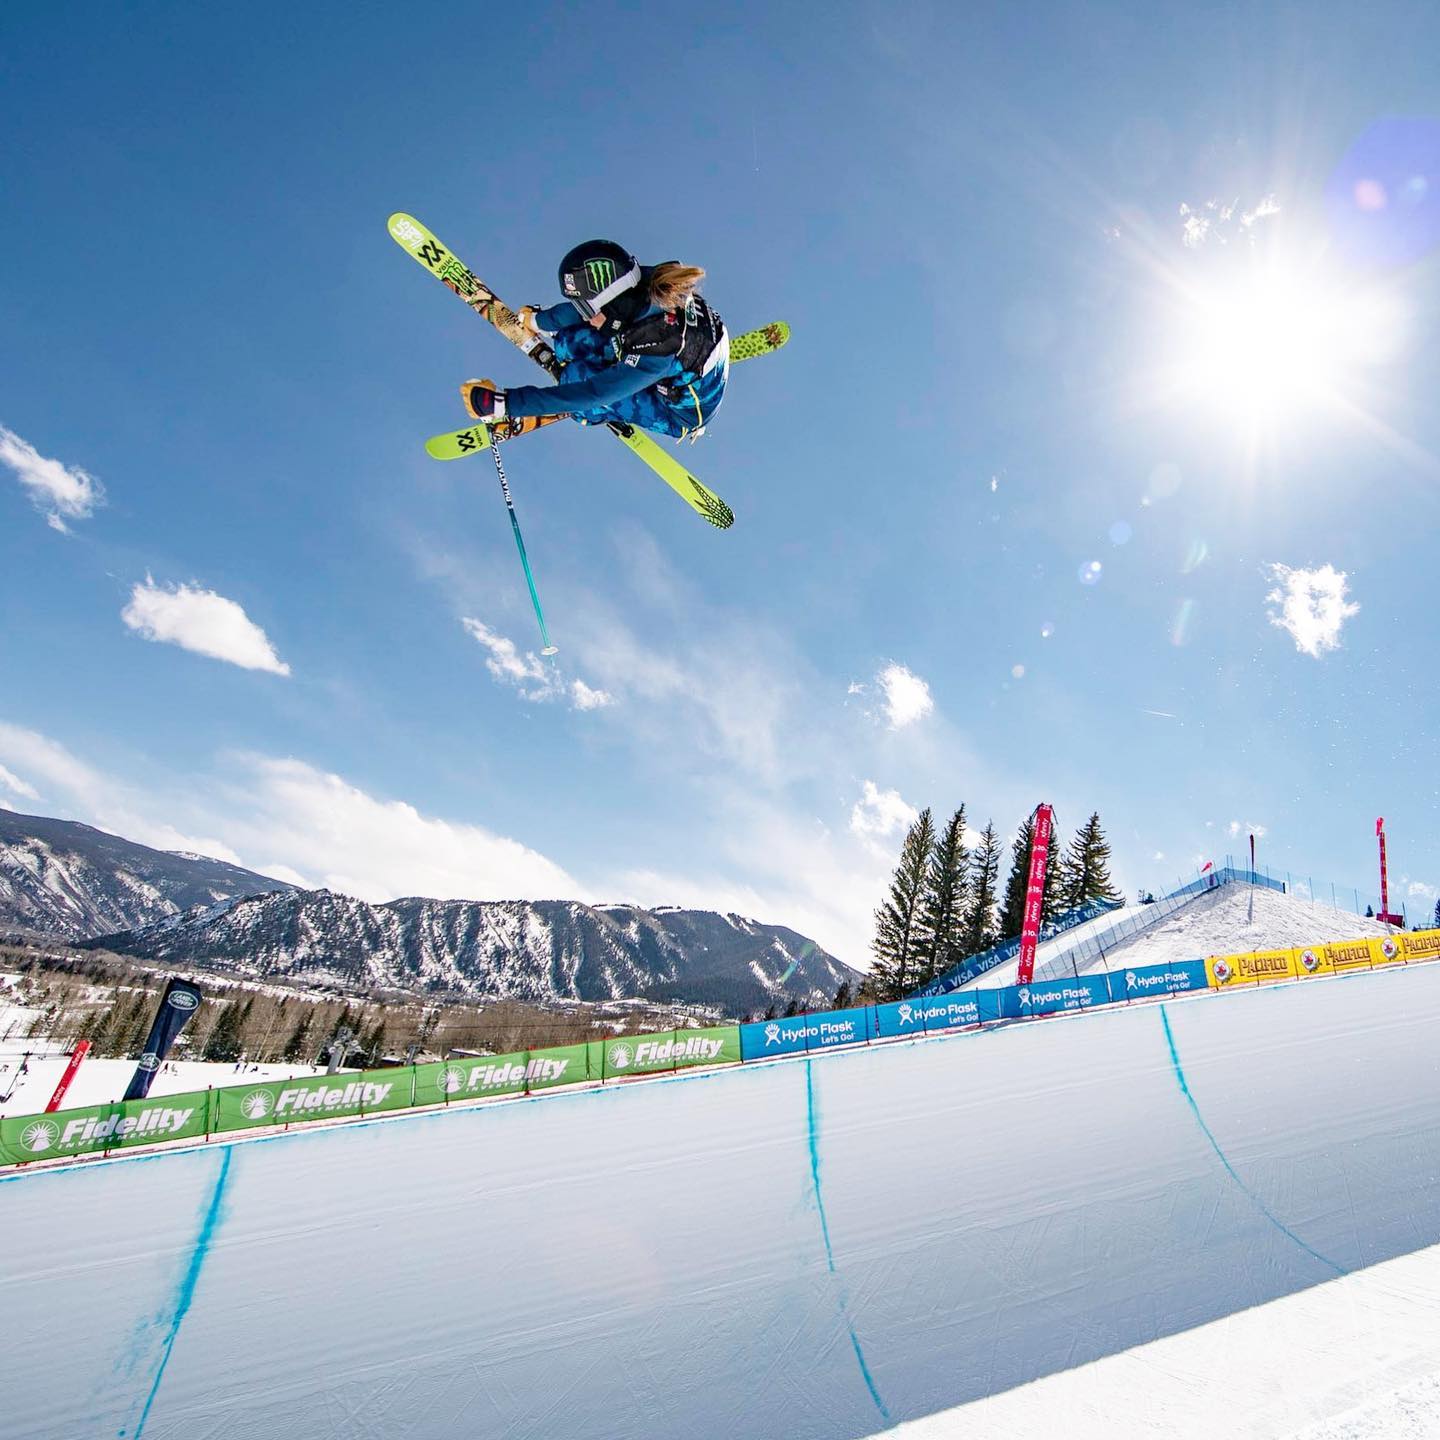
1214 922
1036 1230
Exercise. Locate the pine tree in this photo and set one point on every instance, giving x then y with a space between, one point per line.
944 903
1087 866
1012 909
299 1039
842 996
984 874
224 1040
1437 914
898 935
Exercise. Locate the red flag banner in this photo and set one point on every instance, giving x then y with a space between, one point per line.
1035 893
81 1051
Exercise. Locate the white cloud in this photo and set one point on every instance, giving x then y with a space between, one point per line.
907 696
202 621
16 786
284 818
582 697
1312 605
1248 827
317 825
1419 890
529 674
880 814
58 490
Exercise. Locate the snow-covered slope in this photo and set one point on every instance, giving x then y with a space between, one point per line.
1214 922
1201 1201
524 950
61 878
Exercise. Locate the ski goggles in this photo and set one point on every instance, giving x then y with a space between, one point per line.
592 305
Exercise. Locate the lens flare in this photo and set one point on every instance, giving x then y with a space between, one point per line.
1090 572
1195 557
1180 629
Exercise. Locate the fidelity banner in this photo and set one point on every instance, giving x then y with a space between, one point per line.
673 1050
115 1126
473 1079
313 1097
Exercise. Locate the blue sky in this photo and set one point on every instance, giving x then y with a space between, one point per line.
236 590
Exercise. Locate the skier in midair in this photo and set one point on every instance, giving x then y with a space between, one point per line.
639 344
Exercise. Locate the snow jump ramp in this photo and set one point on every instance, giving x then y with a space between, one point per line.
822 1248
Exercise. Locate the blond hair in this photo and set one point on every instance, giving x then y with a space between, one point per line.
672 284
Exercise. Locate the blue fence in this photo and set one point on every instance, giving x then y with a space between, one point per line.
928 1014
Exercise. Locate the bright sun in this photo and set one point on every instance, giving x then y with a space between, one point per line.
1277 344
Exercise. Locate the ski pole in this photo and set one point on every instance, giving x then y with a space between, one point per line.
520 546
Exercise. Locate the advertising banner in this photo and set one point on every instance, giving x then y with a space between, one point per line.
116 1126
1310 960
1141 982
1035 893
474 1078
672 1050
1342 956
934 1012
1049 997
1258 967
179 1002
311 1097
804 1032
1419 944
1385 950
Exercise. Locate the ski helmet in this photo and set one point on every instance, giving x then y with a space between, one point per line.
597 273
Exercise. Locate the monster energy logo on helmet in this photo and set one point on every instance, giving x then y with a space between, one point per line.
596 274
599 273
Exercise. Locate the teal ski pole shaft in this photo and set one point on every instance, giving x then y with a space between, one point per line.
520 546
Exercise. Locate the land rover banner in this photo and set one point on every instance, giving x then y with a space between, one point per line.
115 1126
673 1050
313 1097
473 1079
179 1002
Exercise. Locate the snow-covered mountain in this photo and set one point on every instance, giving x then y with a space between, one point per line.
525 950
68 880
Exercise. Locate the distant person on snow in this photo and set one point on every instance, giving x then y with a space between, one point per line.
638 344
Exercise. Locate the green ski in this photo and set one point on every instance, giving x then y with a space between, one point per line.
412 236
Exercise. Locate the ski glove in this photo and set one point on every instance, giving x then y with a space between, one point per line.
482 400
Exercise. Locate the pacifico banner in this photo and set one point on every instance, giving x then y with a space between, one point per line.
1418 944
1256 968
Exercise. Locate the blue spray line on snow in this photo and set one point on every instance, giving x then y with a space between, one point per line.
185 1291
1249 1194
813 1128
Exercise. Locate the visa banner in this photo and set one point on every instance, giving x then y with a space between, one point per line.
1140 982
805 1032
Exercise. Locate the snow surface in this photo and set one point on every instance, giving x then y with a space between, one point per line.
1216 1216
1214 922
